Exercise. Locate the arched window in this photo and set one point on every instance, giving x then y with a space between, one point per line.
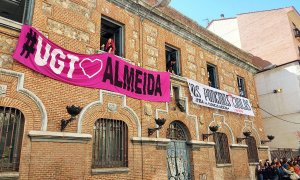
221 148
176 131
11 134
252 149
110 147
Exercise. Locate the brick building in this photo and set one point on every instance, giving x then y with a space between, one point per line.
32 105
272 35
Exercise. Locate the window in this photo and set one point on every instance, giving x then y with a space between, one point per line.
110 144
11 134
252 150
17 10
176 131
212 76
113 30
172 60
221 148
241 86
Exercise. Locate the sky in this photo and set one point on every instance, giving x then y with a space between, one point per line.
203 11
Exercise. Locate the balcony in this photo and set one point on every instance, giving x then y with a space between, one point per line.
297 33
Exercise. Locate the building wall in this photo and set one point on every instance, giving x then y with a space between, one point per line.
75 25
268 35
283 105
294 19
227 29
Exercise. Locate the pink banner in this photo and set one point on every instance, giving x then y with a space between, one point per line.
102 71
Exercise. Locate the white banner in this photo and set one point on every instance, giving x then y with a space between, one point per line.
217 99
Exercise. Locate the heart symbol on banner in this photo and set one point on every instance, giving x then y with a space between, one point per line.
91 68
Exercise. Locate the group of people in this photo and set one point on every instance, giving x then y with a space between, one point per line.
110 48
282 169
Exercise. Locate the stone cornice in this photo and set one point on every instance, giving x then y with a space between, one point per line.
238 146
143 10
195 143
263 147
9 175
47 136
150 141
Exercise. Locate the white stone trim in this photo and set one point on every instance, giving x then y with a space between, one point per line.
20 88
47 136
100 102
263 147
9 175
10 23
109 170
222 121
194 117
251 124
178 78
238 146
150 141
201 143
157 111
223 165
185 99
253 164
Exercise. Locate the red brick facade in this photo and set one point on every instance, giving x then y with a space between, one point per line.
75 25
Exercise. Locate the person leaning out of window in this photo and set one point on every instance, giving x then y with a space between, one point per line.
171 66
109 46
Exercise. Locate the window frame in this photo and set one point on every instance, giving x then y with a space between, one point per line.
104 159
215 75
169 48
122 37
16 139
221 148
252 150
26 18
243 86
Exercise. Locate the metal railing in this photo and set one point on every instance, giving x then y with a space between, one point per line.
11 133
221 148
252 150
176 132
110 147
281 153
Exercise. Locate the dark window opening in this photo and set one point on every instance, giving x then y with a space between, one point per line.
12 9
110 146
252 150
212 76
172 60
17 10
113 30
11 134
221 148
241 86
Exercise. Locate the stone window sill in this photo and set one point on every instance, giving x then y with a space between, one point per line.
178 78
10 24
109 170
223 165
253 164
9 175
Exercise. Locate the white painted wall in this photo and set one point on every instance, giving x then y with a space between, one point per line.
285 105
227 29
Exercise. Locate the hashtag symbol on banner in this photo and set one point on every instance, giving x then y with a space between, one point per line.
28 46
